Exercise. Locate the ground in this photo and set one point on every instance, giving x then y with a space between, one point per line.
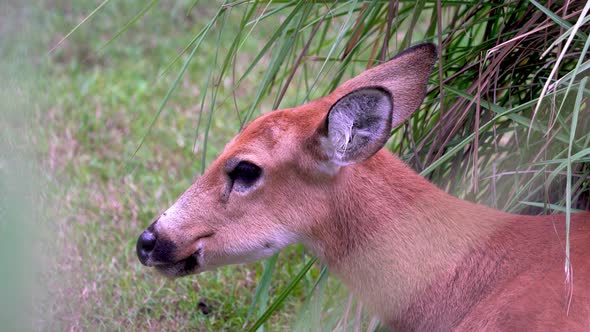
101 104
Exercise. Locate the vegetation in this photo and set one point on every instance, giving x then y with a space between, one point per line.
143 95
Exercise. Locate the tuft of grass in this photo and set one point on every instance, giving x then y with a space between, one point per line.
146 96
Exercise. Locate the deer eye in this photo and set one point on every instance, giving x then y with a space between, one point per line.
244 175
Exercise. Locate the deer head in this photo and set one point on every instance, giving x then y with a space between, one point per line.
286 176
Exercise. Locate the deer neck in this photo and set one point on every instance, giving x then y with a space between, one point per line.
393 235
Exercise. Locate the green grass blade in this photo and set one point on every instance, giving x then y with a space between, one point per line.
215 90
568 194
553 207
282 296
131 22
260 298
175 84
561 56
92 13
563 23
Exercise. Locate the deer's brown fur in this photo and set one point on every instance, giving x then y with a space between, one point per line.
419 258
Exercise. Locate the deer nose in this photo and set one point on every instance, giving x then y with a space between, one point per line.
145 245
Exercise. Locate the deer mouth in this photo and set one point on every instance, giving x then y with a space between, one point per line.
184 267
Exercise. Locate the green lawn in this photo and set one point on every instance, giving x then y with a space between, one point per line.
103 103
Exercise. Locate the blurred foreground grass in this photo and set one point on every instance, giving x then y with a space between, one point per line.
24 250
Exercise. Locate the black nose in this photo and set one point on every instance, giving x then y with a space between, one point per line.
145 245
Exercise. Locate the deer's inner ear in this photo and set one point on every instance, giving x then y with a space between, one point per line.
358 125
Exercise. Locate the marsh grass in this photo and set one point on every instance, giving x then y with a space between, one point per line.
148 93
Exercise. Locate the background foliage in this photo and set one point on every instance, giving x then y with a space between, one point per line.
141 97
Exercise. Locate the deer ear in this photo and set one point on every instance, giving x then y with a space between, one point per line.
358 125
405 77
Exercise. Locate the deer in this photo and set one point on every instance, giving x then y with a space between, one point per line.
417 257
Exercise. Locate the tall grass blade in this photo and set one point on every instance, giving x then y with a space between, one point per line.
175 83
92 13
260 298
282 296
131 22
